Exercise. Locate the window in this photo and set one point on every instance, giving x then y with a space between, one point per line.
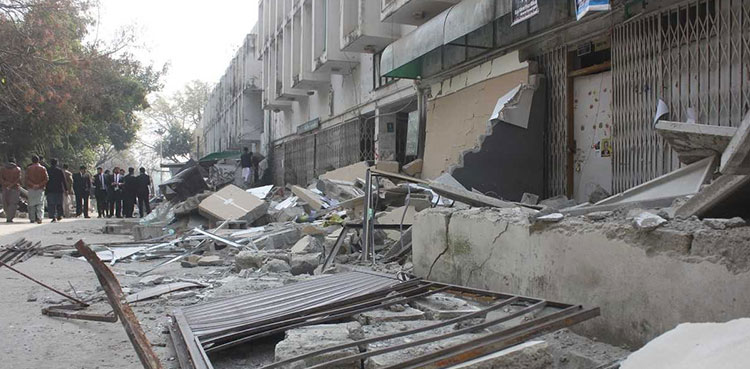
377 80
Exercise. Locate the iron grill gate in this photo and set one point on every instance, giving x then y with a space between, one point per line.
307 157
554 66
695 56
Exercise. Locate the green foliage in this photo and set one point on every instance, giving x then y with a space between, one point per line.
58 96
176 117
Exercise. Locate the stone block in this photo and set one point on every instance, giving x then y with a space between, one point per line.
248 259
276 266
308 245
211 260
304 263
413 168
441 306
311 198
299 341
349 173
230 203
387 166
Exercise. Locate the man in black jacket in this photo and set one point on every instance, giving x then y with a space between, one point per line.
56 187
116 184
144 183
100 192
130 191
82 190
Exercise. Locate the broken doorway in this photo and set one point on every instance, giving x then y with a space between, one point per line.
592 114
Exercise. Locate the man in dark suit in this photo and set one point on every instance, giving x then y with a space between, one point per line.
100 192
130 192
82 190
56 188
144 184
116 199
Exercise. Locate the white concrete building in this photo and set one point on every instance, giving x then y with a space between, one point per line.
233 117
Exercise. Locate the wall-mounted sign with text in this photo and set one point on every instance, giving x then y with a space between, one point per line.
308 126
585 6
523 10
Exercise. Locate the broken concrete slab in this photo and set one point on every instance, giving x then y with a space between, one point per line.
681 182
413 168
233 203
312 338
736 157
551 218
694 142
712 197
696 346
349 173
311 198
394 216
281 239
388 166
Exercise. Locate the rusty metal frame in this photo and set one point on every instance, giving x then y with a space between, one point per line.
122 310
194 343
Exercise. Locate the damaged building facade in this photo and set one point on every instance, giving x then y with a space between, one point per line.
555 103
583 106
232 117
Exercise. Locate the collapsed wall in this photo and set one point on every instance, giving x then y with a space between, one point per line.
645 282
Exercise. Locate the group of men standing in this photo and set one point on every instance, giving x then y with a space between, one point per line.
116 193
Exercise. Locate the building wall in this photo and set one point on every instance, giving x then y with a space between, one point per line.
458 114
644 283
233 117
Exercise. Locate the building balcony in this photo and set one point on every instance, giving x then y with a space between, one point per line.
327 56
412 12
361 28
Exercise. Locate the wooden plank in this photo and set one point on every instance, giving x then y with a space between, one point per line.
112 288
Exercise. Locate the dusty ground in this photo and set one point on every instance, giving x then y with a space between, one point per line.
29 339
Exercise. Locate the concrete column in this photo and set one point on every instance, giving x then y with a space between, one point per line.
385 135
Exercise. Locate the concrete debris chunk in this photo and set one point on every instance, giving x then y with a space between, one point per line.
413 168
558 202
349 173
211 260
389 166
529 199
718 223
315 337
276 266
736 157
248 259
598 215
304 263
551 218
646 221
696 346
311 198
308 245
152 280
232 203
692 141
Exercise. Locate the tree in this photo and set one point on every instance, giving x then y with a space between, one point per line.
59 96
176 117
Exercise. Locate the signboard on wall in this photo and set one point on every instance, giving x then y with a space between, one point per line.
308 126
523 10
585 6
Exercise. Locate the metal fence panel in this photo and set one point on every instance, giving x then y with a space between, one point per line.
695 56
554 66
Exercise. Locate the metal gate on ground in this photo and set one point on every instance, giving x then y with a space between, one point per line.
307 157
